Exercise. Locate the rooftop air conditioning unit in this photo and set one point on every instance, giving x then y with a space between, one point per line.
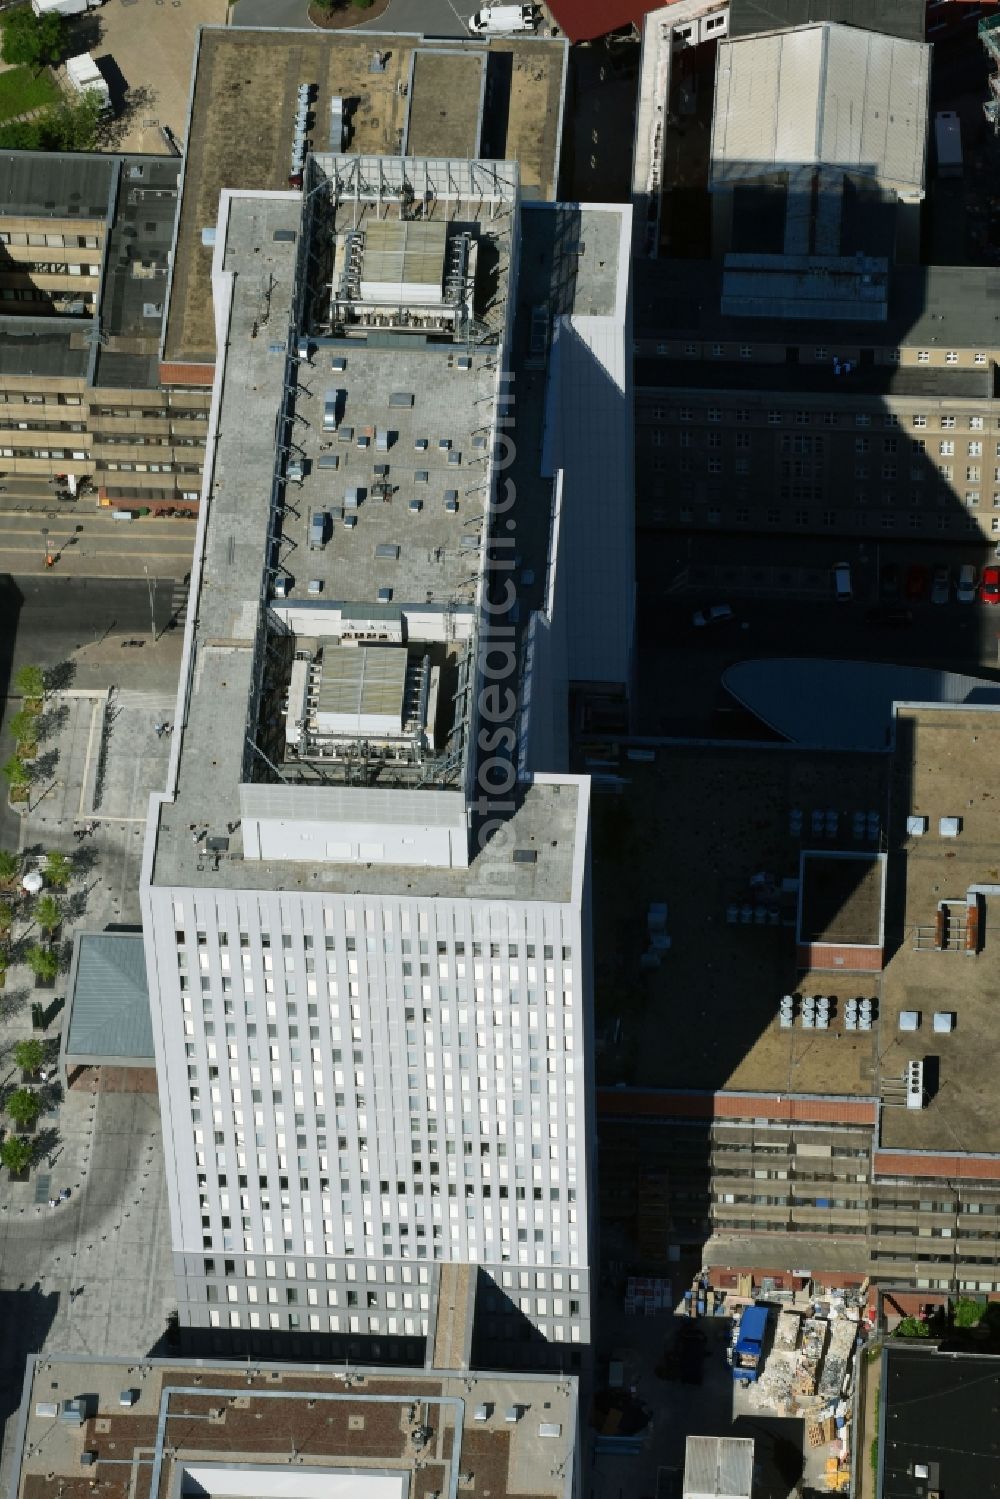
914 1085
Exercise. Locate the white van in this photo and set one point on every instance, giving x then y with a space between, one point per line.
492 20
842 582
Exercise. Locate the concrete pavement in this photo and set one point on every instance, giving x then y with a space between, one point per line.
112 1236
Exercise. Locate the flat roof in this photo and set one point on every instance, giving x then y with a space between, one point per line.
929 306
697 829
134 285
434 562
842 896
232 582
938 1419
109 1019
946 765
233 1430
903 18
50 347
502 98
822 95
51 185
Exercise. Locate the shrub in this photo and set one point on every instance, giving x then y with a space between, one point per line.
9 866
912 1327
968 1313
15 1154
24 1106
6 918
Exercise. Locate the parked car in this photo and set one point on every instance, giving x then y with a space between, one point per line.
715 614
968 578
887 617
917 581
888 582
989 586
940 586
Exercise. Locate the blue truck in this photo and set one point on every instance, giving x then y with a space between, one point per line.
748 1349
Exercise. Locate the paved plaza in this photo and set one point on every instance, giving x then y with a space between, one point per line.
92 1275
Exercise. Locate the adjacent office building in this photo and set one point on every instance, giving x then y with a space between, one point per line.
820 1108
366 890
162 1426
815 357
84 252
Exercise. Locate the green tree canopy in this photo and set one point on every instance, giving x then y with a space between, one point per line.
32 40
29 1055
58 869
16 772
24 1106
24 725
15 1153
30 680
9 865
43 962
47 913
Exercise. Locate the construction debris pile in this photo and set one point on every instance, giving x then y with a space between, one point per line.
808 1373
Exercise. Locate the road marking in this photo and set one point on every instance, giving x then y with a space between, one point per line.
90 752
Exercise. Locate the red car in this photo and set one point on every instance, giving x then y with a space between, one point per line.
917 581
989 587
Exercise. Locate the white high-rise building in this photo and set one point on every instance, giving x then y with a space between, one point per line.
366 913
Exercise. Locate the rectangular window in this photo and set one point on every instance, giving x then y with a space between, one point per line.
951 357
923 356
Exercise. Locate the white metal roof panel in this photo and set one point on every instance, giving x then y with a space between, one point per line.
822 95
718 1468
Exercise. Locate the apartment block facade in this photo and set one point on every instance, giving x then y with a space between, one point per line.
84 251
830 438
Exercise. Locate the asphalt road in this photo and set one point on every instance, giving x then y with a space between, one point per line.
90 543
426 17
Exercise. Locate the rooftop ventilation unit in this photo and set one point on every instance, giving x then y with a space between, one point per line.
914 1085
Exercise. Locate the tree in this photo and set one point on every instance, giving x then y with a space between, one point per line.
47 913
43 962
15 1153
24 726
9 866
16 772
30 680
70 125
32 40
6 918
24 1107
29 1055
58 869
